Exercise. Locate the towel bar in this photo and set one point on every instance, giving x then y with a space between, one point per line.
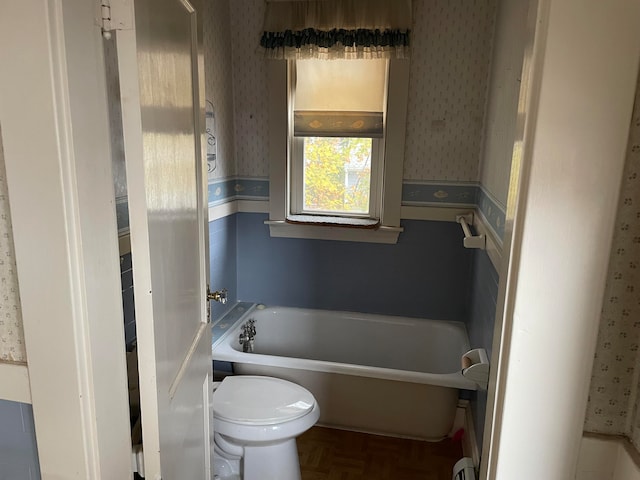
470 241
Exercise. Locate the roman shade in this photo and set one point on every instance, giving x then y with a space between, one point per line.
339 98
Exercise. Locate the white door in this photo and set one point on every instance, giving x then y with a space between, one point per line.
160 65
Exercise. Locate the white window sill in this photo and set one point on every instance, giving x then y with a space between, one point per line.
382 234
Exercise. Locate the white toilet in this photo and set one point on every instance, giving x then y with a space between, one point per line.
256 421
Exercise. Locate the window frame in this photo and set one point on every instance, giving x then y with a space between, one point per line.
281 223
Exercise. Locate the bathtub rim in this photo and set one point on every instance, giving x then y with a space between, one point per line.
223 351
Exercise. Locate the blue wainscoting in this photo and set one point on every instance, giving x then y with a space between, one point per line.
484 295
223 262
18 450
426 274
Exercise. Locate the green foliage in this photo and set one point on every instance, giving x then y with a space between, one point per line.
326 162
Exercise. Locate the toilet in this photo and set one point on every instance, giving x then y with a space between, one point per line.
256 421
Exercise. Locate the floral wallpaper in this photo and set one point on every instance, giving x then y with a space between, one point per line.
451 45
11 335
613 400
218 88
250 93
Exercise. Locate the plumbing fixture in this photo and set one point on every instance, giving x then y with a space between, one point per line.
218 295
247 336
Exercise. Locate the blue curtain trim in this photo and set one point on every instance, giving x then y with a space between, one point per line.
331 38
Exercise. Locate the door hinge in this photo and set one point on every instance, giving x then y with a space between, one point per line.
115 15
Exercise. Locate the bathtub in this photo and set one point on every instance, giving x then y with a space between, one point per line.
372 373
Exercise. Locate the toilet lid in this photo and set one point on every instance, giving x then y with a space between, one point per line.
257 400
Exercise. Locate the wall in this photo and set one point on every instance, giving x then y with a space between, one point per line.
448 85
11 335
613 398
502 103
450 56
495 170
218 88
448 82
426 274
18 452
223 260
480 324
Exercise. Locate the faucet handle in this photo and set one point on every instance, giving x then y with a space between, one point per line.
218 295
251 327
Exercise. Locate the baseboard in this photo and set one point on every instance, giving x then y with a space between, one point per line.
607 456
469 443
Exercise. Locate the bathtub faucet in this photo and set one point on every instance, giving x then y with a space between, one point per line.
218 295
247 336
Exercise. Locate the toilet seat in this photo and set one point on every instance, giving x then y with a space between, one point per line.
257 400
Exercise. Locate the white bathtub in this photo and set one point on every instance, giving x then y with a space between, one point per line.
390 375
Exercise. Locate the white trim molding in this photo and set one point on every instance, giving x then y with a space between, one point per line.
383 234
14 382
222 210
51 54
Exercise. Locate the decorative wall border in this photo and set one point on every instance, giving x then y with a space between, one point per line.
439 194
458 195
493 211
237 188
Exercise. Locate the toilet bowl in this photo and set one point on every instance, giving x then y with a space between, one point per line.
256 421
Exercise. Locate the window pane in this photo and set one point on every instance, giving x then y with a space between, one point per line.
337 175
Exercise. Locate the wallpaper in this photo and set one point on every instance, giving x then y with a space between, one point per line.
451 56
218 88
11 335
613 399
250 92
502 103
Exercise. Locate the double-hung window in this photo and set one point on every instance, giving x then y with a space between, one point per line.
337 130
336 140
338 74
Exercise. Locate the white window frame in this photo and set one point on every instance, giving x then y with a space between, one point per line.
389 177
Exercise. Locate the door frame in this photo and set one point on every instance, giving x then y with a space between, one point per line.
569 156
57 152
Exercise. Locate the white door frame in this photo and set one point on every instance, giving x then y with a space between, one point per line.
53 112
581 68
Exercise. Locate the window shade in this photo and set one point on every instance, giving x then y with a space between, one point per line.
339 98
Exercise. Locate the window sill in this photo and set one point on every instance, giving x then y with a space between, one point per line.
382 234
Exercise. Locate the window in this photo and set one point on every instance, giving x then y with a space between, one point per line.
340 126
336 142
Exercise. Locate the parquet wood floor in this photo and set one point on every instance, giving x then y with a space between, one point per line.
329 454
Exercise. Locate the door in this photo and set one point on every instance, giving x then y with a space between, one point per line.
160 67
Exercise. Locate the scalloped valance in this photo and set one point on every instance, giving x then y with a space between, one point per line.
327 29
